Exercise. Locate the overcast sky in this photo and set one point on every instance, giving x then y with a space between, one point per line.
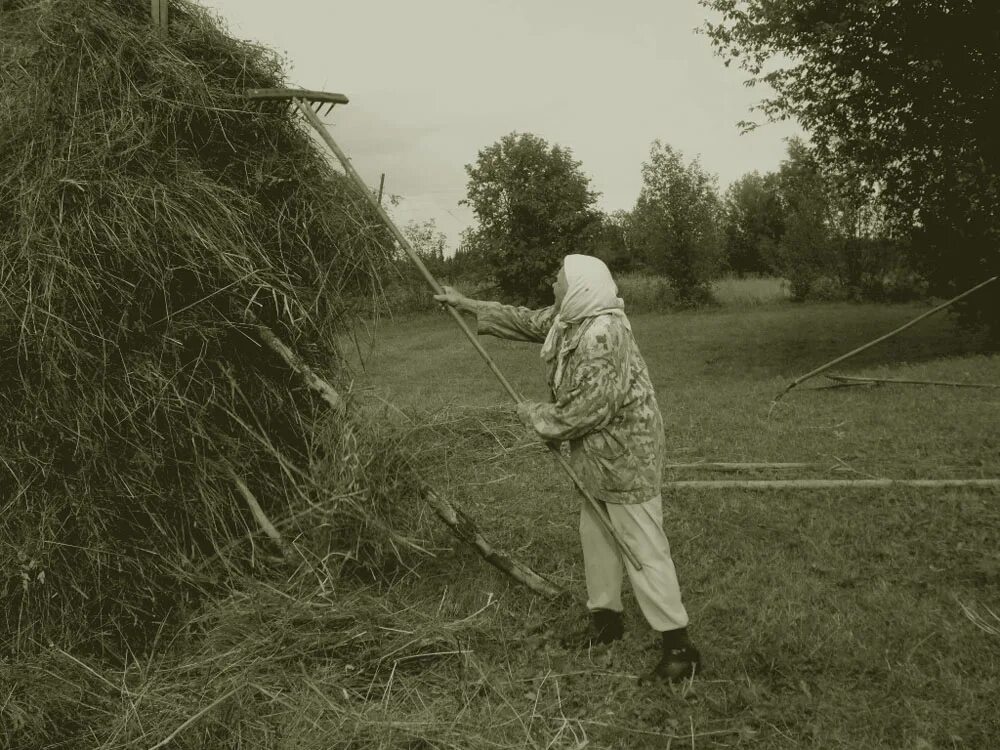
432 82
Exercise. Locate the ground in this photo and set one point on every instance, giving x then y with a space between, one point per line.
828 619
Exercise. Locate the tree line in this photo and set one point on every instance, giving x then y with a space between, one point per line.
895 190
533 204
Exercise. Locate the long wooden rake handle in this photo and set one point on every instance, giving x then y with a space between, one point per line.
599 509
870 344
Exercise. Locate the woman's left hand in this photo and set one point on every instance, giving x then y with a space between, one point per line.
524 414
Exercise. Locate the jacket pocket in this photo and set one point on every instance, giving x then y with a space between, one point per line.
615 467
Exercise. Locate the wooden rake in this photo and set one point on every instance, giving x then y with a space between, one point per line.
310 103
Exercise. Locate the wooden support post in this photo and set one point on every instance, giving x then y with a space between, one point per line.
160 11
381 185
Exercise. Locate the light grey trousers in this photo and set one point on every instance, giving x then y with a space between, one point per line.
656 588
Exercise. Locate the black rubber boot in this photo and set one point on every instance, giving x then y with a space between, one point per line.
679 659
605 626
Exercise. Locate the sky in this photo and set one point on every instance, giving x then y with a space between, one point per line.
432 82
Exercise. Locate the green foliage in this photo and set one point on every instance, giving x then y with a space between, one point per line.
834 242
533 205
645 292
406 290
753 222
429 243
675 225
610 242
806 248
903 95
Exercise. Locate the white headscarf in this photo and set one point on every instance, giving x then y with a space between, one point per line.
590 292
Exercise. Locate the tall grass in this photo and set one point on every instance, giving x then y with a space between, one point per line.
646 292
751 291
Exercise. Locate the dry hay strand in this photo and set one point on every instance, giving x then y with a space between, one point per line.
144 211
989 623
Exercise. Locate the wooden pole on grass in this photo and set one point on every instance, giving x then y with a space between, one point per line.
853 380
820 484
880 339
735 466
599 510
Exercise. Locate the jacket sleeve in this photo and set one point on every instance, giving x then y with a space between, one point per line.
516 323
596 392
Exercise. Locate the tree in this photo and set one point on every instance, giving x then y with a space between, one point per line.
675 226
429 243
834 241
533 205
609 242
806 249
753 222
904 96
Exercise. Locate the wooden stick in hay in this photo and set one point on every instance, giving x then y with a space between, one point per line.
258 513
880 339
458 522
819 484
878 381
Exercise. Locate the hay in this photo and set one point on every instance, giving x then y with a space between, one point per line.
143 212
276 665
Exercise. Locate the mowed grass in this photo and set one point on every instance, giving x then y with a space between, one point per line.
828 619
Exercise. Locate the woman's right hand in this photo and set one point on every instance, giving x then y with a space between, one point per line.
452 297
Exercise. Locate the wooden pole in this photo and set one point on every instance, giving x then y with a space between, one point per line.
460 524
258 513
878 381
599 510
819 484
880 339
381 185
731 466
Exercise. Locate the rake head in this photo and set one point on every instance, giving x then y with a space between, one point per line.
279 99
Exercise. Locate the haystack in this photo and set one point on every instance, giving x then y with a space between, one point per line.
152 226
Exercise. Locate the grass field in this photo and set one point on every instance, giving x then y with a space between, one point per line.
828 619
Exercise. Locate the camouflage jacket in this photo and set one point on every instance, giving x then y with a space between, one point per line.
604 404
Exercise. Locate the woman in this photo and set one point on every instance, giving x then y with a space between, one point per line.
603 404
